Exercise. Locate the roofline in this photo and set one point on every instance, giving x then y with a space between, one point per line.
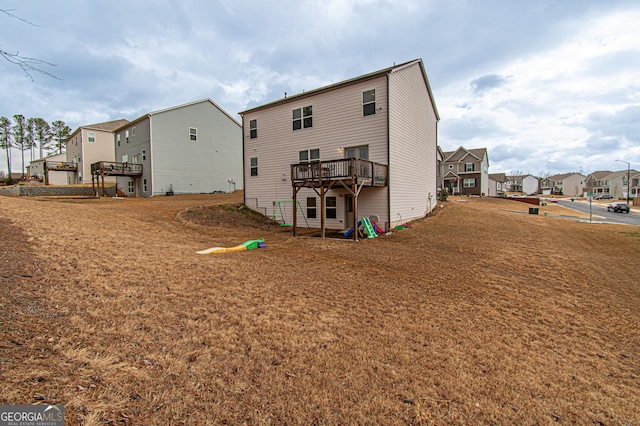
92 127
351 81
148 115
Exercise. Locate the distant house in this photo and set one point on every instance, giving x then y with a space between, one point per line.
440 168
466 171
525 184
497 185
635 185
87 145
53 177
607 182
362 147
569 184
188 149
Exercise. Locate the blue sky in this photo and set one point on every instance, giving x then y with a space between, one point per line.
545 86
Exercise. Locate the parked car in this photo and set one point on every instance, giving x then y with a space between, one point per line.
553 200
618 207
604 197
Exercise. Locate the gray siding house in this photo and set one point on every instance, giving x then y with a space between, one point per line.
466 171
363 147
189 149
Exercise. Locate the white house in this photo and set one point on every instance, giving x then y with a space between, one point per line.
362 147
187 149
87 145
525 184
38 168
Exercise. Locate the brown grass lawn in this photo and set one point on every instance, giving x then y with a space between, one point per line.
474 315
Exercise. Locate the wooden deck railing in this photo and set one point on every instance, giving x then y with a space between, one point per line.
60 166
352 169
116 169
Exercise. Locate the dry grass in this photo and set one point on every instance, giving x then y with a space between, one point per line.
476 315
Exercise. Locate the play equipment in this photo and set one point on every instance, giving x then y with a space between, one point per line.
280 207
371 229
247 245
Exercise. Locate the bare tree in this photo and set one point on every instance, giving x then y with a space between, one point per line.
28 64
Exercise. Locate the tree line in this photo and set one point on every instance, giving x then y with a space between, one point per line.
34 135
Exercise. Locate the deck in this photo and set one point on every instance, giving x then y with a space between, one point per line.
348 171
112 168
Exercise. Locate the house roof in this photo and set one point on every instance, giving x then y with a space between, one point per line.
498 177
108 126
562 176
520 177
599 174
369 76
478 153
142 117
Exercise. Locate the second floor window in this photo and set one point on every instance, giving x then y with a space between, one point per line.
302 117
468 167
91 136
118 139
126 136
254 166
193 134
369 102
253 129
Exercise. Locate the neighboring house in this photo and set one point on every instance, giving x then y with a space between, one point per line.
358 148
52 177
635 185
497 185
569 184
439 168
88 145
525 184
607 182
188 149
466 171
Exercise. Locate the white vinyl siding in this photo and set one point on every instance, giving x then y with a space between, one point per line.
337 123
412 168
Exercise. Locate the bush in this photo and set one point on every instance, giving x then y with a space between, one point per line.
443 194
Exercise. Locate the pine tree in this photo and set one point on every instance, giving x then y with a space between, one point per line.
42 134
5 141
60 133
30 136
20 135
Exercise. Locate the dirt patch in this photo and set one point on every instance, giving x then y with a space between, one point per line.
476 315
225 215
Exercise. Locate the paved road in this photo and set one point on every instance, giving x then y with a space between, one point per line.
601 210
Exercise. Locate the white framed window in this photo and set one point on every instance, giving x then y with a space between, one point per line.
253 129
126 136
309 155
130 187
135 158
469 183
144 185
144 154
450 166
254 166
361 152
468 167
193 134
118 139
91 136
303 117
369 102
331 210
311 208
125 158
133 131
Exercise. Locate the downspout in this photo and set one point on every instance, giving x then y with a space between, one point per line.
244 184
388 152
